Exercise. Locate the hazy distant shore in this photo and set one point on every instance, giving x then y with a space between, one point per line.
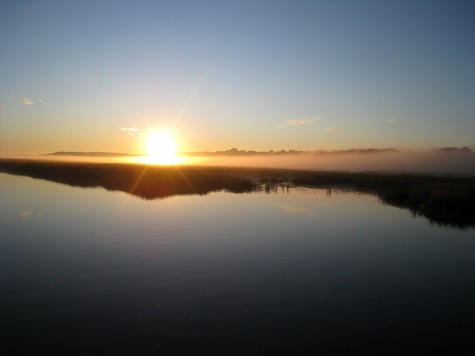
237 152
448 160
88 154
446 200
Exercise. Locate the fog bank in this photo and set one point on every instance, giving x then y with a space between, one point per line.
456 162
430 163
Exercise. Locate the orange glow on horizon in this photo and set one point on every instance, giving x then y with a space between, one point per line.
160 160
161 148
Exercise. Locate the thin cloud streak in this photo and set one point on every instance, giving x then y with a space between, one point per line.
131 131
24 101
299 122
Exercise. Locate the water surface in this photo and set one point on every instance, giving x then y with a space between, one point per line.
299 271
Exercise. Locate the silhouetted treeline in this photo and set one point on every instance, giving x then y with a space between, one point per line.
445 200
230 152
462 150
236 152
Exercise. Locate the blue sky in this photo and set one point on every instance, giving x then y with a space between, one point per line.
255 75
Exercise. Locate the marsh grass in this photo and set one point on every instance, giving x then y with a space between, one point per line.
444 200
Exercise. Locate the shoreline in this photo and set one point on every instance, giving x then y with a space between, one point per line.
445 200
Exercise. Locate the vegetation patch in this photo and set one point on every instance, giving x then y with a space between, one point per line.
445 200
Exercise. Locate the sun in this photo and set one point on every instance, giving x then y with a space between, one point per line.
161 144
162 148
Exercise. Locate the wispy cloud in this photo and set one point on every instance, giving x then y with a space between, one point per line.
392 120
25 101
299 122
132 131
332 129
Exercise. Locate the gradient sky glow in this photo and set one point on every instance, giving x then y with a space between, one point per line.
256 75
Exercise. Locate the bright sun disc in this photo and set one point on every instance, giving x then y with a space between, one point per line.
161 148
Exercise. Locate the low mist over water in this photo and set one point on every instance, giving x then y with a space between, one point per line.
442 161
432 162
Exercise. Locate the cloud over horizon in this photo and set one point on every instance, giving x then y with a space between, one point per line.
132 131
23 100
299 122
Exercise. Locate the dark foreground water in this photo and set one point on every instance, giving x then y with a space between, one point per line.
86 271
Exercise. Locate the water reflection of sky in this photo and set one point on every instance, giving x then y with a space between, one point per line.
279 270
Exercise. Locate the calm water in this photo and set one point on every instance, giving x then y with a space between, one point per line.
89 271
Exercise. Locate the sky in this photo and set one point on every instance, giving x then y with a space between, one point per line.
255 75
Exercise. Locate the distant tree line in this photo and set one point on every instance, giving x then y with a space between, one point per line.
236 152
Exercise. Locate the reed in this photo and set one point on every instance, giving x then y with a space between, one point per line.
445 200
